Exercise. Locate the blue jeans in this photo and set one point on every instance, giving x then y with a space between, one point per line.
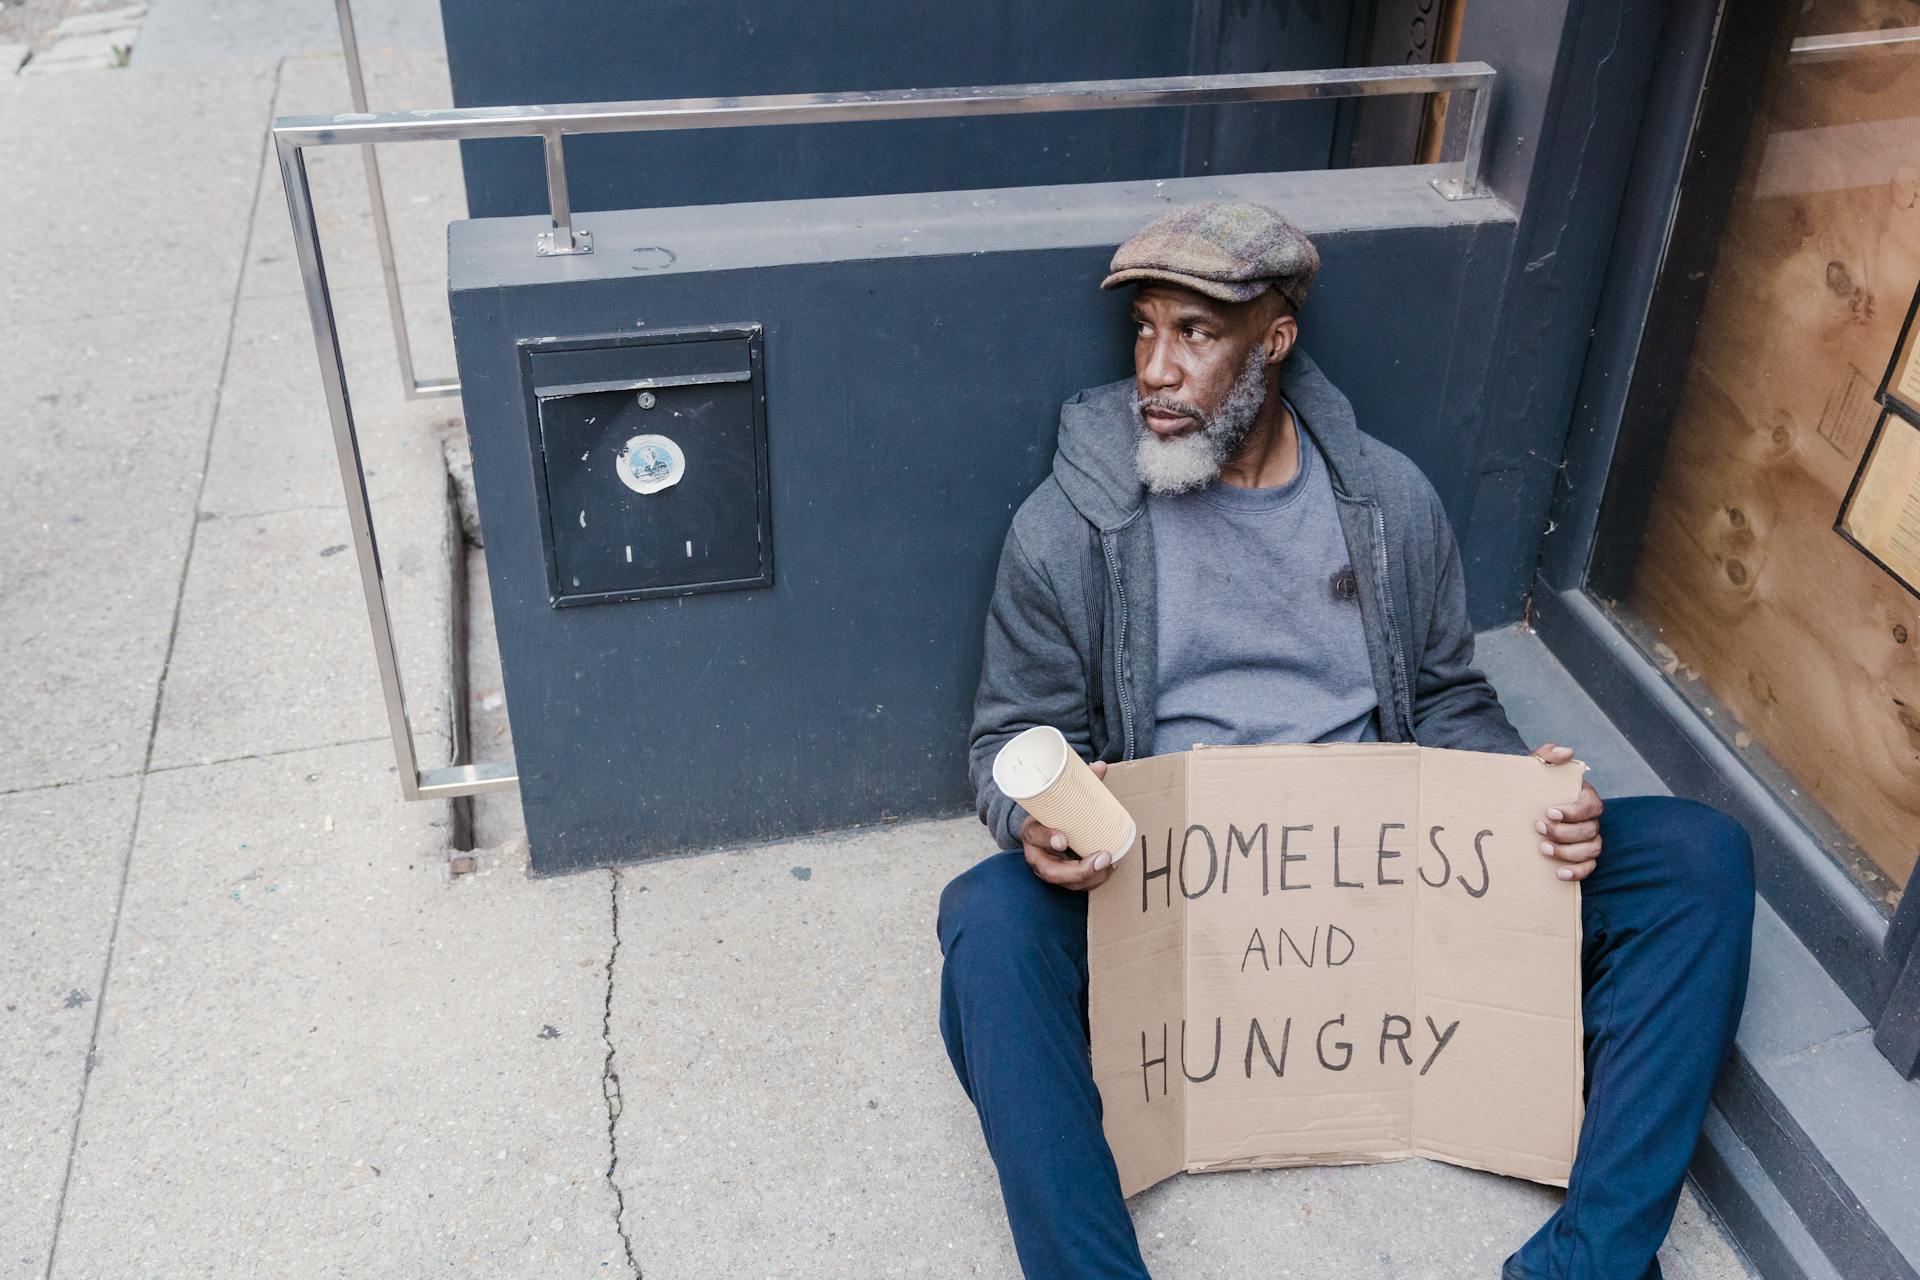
1668 920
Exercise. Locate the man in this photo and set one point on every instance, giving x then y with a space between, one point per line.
1222 556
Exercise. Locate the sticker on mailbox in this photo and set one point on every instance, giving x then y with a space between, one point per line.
648 464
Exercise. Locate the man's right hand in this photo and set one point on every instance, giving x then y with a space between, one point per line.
1049 858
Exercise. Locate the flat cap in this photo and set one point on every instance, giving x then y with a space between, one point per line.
1226 249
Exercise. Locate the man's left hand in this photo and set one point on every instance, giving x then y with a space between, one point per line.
1570 832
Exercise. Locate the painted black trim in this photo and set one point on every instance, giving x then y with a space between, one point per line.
1633 268
1897 1034
1887 396
1903 934
1744 53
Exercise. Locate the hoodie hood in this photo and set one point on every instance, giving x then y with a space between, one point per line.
1093 458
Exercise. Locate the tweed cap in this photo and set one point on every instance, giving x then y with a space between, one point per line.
1230 250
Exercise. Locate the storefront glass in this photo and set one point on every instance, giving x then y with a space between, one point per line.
1796 629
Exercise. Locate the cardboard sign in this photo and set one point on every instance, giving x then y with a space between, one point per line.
1337 955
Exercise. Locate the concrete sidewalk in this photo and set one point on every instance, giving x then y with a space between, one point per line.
252 1027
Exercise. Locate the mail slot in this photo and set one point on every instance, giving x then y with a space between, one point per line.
650 463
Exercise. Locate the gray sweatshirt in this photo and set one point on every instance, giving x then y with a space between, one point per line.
1072 629
1261 638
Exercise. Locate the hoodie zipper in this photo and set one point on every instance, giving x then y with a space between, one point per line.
1120 669
1393 622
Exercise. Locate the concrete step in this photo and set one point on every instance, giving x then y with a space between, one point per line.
1732 1179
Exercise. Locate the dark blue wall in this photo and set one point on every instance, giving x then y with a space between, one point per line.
1574 78
913 385
509 51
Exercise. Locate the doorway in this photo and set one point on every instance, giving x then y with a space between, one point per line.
1794 627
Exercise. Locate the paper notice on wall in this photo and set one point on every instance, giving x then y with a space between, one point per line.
1883 515
1337 955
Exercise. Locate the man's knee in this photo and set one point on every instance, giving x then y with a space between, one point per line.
1708 859
998 907
1718 848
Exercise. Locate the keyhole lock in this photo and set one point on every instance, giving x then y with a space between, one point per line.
646 400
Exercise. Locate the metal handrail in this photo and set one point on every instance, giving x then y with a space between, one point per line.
552 124
414 386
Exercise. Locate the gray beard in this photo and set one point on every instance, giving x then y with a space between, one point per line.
1194 460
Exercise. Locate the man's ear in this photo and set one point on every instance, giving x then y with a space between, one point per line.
1282 332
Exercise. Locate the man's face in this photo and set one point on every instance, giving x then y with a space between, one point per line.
1200 379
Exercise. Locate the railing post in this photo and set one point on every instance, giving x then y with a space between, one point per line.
1467 181
382 231
346 447
563 238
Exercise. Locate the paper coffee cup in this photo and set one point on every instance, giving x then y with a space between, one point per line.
1039 770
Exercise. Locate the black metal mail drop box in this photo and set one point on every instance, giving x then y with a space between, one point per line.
650 462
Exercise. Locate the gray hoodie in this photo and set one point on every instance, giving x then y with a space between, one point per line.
1071 628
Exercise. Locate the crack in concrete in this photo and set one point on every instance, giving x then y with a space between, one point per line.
610 1088
270 753
89 779
31 787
